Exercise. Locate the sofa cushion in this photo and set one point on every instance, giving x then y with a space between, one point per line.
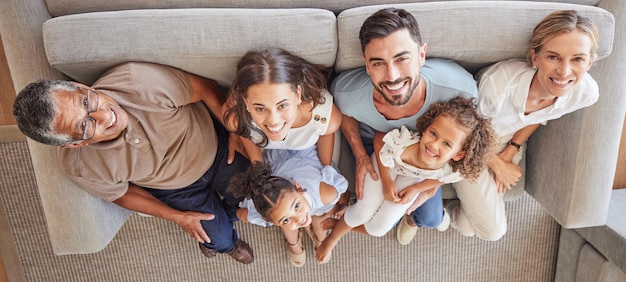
592 266
610 239
207 42
445 27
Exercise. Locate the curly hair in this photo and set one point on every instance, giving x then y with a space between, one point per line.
480 139
273 65
258 183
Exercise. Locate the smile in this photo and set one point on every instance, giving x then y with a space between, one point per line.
275 129
395 86
429 153
561 82
305 222
113 120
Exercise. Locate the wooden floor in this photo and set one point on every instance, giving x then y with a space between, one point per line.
7 92
3 273
620 174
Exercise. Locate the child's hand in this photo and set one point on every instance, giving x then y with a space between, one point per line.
242 215
390 192
407 195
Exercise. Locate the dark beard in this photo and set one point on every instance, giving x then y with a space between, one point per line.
399 101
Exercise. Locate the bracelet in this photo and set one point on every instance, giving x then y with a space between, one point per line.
517 146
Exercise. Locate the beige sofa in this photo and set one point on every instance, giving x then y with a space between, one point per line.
570 163
596 253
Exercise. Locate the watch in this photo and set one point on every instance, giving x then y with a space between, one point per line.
517 146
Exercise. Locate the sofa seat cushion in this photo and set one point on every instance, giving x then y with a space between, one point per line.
592 266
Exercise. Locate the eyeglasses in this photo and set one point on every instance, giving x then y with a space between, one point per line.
88 125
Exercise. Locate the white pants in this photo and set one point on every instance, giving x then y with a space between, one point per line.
482 210
374 212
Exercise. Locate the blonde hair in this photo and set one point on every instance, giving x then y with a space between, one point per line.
560 22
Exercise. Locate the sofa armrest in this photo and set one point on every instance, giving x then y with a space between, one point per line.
610 239
90 224
77 222
595 253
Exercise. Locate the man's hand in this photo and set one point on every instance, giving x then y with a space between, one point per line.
190 222
363 167
139 200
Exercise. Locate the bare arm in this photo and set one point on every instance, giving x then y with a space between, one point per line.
390 190
350 129
253 151
325 148
506 173
328 193
326 142
520 137
139 200
409 192
207 91
424 196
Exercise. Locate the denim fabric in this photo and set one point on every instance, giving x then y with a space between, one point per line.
430 214
208 195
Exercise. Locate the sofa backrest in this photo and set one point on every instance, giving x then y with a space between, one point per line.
207 42
473 33
68 7
210 41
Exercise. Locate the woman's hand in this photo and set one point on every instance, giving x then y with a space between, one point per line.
506 174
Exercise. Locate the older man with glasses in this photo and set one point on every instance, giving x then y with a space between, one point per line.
144 138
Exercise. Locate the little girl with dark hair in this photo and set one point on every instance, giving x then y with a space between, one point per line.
288 191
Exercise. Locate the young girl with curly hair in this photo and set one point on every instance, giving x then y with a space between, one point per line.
451 143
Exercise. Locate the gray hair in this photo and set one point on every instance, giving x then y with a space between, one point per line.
35 110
